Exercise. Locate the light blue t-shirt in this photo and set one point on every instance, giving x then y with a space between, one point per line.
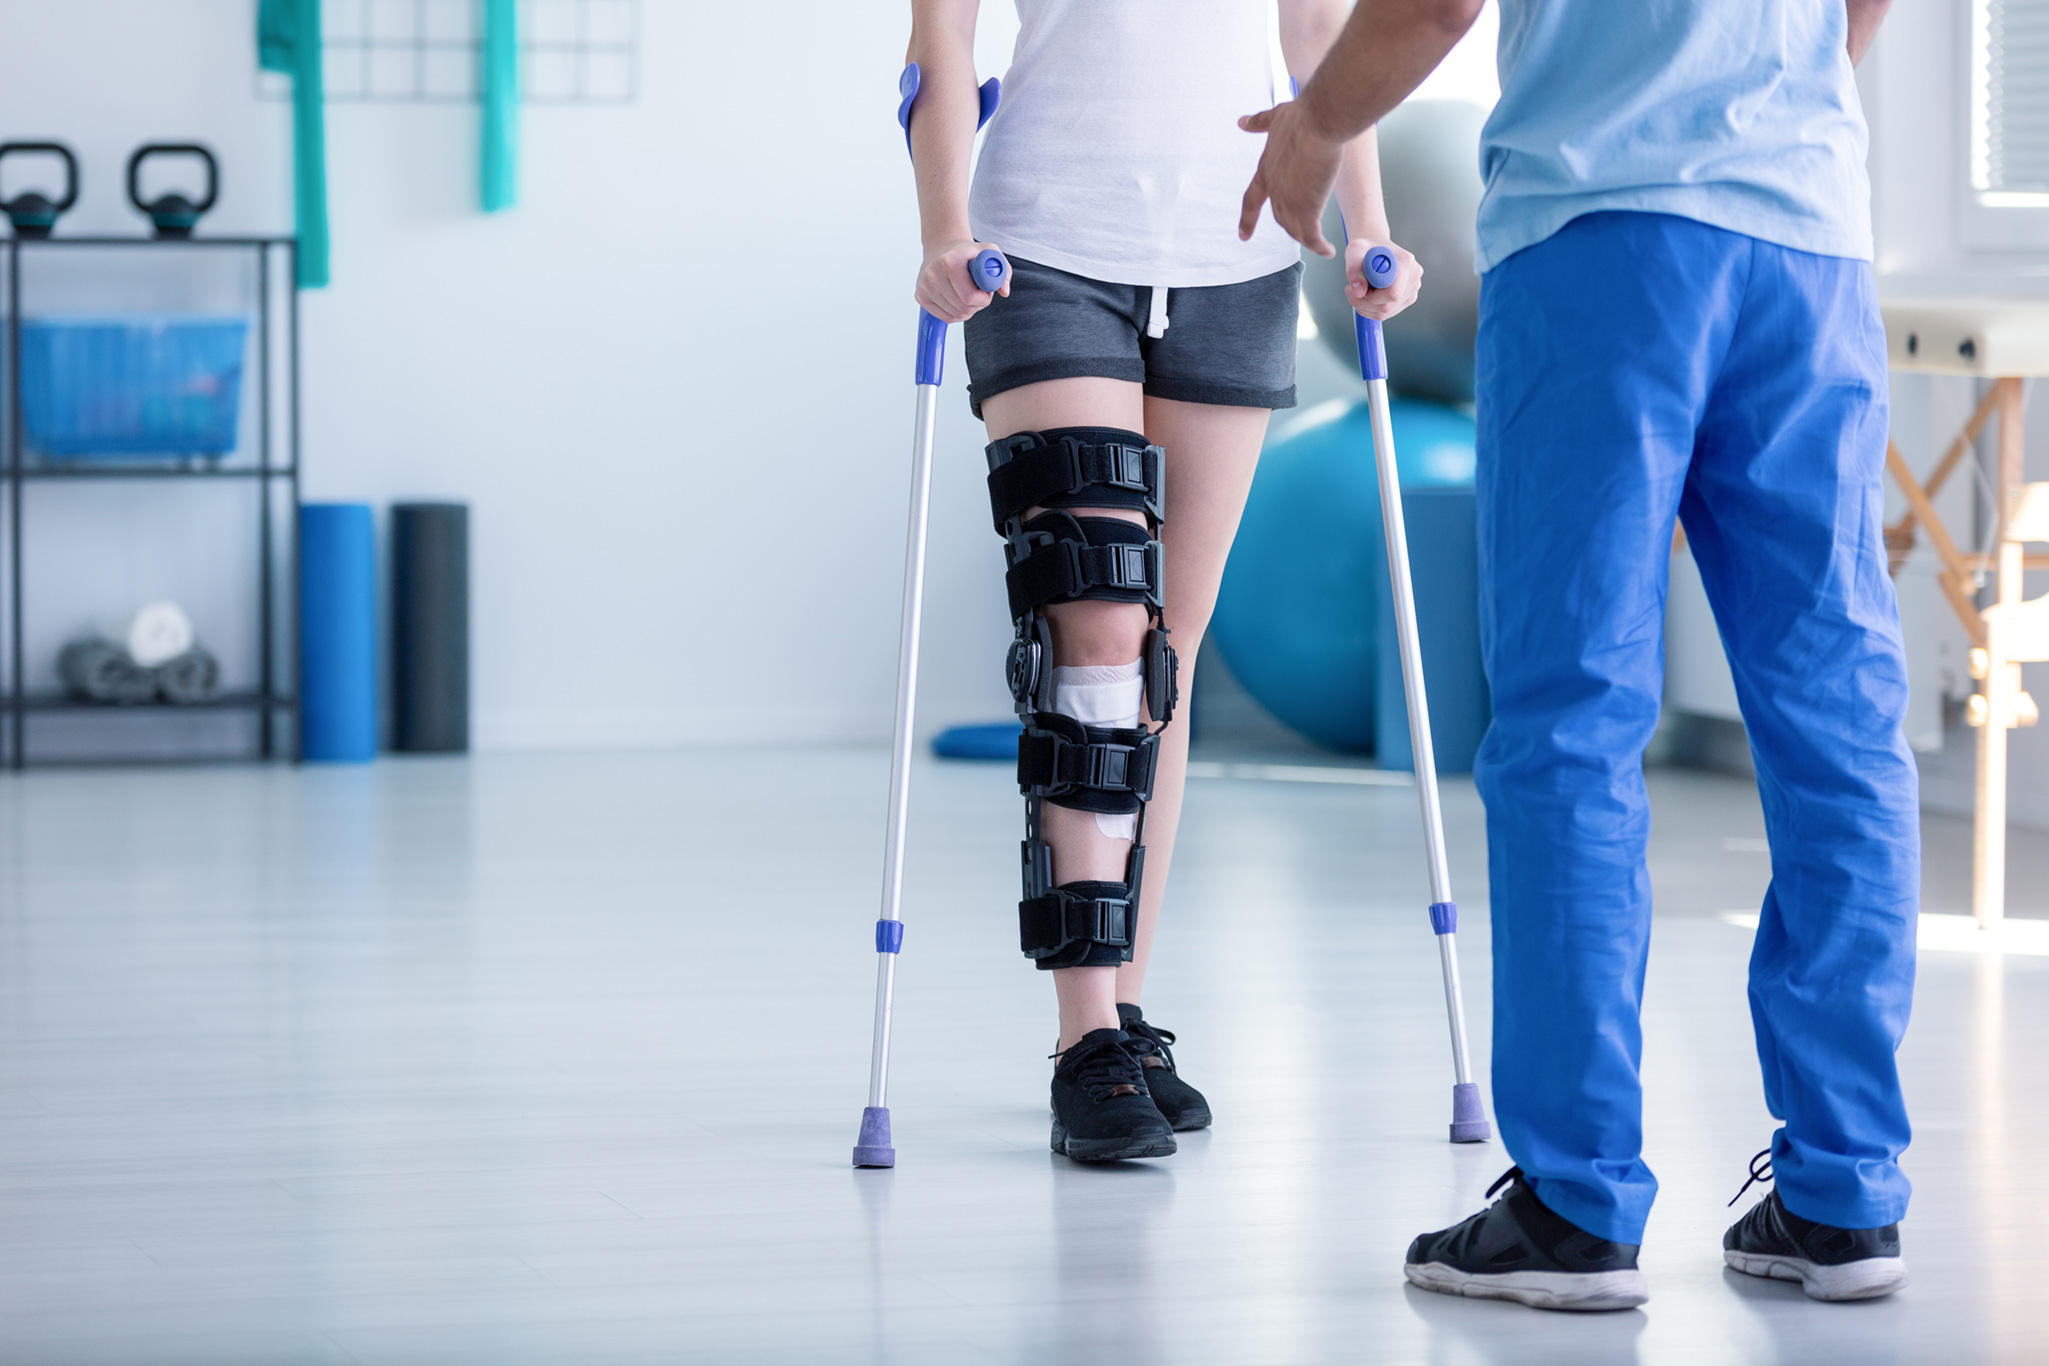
1742 114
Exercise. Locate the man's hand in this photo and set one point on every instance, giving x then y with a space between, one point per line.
1295 173
947 289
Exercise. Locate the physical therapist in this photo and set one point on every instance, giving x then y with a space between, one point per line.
1677 319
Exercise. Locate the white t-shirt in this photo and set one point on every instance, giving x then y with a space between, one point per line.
1116 151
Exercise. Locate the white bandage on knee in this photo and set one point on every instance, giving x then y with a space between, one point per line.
1102 695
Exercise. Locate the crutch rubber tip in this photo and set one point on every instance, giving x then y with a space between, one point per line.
872 1148
1468 1121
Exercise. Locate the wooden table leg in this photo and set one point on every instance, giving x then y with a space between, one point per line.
2001 679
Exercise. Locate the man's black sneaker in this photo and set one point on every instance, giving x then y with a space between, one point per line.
1516 1249
1830 1263
1102 1111
1181 1104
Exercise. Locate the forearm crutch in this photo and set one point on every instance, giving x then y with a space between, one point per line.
990 272
1468 1117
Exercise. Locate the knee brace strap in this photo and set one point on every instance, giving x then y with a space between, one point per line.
1089 768
1078 925
1074 467
1058 557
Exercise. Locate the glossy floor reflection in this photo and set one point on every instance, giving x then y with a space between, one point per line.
559 1059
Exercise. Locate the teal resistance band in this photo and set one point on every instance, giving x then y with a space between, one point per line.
288 39
500 169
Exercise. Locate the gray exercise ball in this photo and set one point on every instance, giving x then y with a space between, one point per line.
1430 170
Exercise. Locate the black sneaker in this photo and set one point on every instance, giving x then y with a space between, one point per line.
1182 1105
1515 1249
1101 1109
1830 1263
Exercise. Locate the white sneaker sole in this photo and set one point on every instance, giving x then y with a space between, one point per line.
1873 1278
1584 1291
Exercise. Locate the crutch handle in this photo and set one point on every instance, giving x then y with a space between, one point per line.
1379 270
990 270
1379 267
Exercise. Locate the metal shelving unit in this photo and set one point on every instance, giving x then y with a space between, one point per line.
271 699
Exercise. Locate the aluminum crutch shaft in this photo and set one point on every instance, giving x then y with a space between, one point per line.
1468 1117
989 270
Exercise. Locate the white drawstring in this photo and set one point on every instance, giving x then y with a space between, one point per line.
1156 325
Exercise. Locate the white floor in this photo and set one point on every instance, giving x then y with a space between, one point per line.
559 1059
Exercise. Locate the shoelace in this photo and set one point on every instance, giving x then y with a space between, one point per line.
1756 1175
1151 1039
1100 1069
1467 1233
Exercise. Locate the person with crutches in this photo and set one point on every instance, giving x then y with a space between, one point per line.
1125 374
1677 320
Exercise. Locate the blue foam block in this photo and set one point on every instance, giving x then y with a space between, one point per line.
997 740
337 633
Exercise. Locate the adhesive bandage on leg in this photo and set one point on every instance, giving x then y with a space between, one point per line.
1102 695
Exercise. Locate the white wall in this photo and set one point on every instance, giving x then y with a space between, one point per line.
674 384
687 469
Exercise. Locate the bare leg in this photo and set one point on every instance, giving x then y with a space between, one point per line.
1083 633
1212 452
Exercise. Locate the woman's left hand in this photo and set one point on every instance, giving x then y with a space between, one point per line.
1383 304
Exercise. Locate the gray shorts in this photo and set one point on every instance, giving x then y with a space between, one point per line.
1226 344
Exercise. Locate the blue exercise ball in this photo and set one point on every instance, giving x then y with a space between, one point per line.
1297 618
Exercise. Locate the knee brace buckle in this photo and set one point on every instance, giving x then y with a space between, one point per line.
1081 916
1093 768
1060 468
1058 557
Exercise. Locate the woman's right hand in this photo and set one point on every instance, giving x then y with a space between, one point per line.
946 290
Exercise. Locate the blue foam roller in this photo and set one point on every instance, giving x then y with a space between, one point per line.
1298 615
337 633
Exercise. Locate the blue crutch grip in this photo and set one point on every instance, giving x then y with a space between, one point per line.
990 270
1379 270
1378 267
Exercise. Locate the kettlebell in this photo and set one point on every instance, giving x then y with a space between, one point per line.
32 212
173 214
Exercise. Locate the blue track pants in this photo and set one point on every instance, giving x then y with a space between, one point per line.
1633 368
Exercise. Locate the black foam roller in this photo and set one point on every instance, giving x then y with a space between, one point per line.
430 589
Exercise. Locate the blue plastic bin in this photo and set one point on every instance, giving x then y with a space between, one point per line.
166 384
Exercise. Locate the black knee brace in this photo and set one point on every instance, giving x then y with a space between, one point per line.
1060 556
